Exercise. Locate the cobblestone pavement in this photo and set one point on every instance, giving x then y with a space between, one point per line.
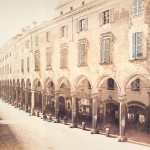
19 131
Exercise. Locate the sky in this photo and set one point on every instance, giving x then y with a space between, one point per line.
17 14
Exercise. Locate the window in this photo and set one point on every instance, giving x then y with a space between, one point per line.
106 17
71 8
28 64
63 56
63 31
137 45
27 43
48 35
37 61
135 85
82 25
61 13
110 84
105 50
82 52
83 3
36 41
48 60
22 65
137 7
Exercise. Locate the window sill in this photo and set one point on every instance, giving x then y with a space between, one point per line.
138 14
48 68
63 67
82 65
105 63
138 59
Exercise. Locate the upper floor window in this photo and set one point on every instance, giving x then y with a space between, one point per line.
48 36
22 65
135 85
137 7
106 17
36 41
105 50
137 45
48 59
110 84
71 8
28 64
82 52
37 61
83 3
82 25
63 31
61 13
27 43
63 56
106 47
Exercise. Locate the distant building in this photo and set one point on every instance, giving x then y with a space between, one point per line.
91 63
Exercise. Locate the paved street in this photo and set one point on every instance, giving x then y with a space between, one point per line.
19 131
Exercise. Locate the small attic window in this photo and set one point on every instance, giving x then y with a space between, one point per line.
83 3
71 8
61 13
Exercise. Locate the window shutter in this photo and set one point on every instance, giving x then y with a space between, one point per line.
135 7
139 45
78 26
133 45
60 34
107 50
111 15
66 30
102 51
139 6
86 24
100 19
82 53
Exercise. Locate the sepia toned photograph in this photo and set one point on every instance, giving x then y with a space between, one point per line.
74 74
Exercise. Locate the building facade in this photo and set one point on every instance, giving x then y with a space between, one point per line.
91 64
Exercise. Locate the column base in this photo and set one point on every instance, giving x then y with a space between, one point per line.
94 131
73 125
57 121
122 139
32 113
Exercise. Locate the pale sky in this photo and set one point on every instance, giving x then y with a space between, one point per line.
17 14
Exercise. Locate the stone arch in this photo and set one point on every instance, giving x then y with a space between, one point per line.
28 84
37 85
142 77
101 80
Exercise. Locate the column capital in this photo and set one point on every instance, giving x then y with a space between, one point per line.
122 98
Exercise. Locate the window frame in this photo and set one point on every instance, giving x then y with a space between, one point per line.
138 7
63 58
85 43
136 45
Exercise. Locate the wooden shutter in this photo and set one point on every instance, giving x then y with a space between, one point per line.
135 7
102 51
100 19
111 15
139 44
66 30
133 45
78 26
82 53
107 50
86 24
139 6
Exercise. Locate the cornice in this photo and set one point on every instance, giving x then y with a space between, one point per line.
47 24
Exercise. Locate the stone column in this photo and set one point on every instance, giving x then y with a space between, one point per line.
74 112
57 107
43 102
122 119
32 104
94 115
16 97
21 99
26 100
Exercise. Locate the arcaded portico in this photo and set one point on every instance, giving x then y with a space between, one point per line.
89 65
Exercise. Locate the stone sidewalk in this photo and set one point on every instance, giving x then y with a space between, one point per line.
19 131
